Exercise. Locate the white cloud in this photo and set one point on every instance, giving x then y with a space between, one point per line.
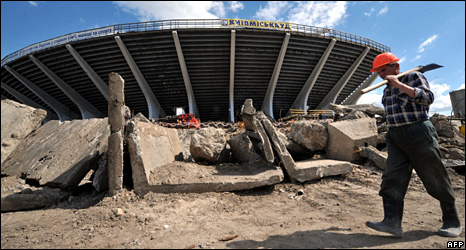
272 11
416 58
442 102
374 99
426 43
370 12
321 14
383 11
461 87
235 6
34 3
162 10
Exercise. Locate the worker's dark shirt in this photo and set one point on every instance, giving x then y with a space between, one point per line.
401 109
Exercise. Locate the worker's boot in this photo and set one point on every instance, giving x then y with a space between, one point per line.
451 223
391 223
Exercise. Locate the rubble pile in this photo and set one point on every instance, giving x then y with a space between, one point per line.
60 155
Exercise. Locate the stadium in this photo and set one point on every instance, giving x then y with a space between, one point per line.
207 67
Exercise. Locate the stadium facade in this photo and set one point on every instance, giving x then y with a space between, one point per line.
208 67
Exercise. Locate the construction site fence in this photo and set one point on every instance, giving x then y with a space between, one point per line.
185 24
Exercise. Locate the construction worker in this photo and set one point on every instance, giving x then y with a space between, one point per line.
412 143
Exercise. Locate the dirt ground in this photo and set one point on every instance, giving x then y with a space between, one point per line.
327 213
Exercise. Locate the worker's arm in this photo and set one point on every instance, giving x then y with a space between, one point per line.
393 80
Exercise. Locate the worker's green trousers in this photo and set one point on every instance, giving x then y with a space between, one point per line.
414 146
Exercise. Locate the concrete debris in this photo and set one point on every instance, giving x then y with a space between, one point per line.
242 149
209 144
100 178
18 121
345 138
373 154
451 141
368 109
317 169
260 140
309 134
59 154
150 147
17 195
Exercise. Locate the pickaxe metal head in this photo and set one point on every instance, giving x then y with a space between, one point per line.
429 67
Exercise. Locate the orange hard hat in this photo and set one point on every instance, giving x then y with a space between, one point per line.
382 59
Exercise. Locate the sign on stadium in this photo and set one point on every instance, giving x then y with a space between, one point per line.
256 24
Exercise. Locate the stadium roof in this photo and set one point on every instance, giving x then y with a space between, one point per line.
208 67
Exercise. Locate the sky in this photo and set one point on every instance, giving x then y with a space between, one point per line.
417 32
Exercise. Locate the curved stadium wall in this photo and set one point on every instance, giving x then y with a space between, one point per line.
208 67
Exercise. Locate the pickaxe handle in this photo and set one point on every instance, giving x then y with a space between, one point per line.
382 83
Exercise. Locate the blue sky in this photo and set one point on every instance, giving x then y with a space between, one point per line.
418 32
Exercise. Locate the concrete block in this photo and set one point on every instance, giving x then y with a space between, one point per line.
316 169
345 138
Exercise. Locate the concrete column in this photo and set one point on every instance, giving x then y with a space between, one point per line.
116 120
301 99
333 94
356 95
267 104
98 82
232 76
187 81
27 101
62 111
87 109
155 109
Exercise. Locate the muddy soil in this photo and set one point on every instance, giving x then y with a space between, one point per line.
327 213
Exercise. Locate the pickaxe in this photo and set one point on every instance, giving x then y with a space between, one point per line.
421 69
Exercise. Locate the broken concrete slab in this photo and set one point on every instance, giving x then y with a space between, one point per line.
195 178
251 123
59 154
150 147
316 169
283 155
100 178
345 138
373 154
18 121
17 195
28 199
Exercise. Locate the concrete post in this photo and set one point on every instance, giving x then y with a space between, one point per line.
116 120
